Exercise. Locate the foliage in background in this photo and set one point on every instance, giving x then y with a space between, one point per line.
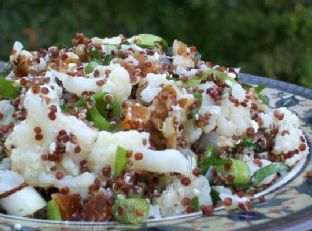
268 37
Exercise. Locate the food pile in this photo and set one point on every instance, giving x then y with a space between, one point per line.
130 129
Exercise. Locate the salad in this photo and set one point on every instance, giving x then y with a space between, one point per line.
129 129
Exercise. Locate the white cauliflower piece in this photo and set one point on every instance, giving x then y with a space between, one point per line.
267 119
288 141
117 84
290 119
227 193
23 202
191 132
17 49
104 152
232 120
238 92
154 82
170 200
7 110
29 150
105 147
208 106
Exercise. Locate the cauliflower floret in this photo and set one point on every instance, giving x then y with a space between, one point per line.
7 110
208 106
104 152
117 84
288 141
154 82
17 49
191 132
170 200
105 147
227 193
29 150
23 202
266 119
232 120
238 92
289 119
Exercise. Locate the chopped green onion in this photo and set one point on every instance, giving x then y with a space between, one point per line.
109 48
208 161
115 105
211 150
53 211
198 96
131 210
247 86
99 98
99 121
120 160
126 42
249 143
210 158
260 88
150 40
174 77
95 54
241 172
8 88
192 83
107 59
266 171
64 108
261 97
90 67
97 113
2 156
214 196
195 203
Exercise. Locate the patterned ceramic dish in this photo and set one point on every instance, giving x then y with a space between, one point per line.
288 207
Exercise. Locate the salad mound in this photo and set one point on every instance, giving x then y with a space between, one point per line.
130 129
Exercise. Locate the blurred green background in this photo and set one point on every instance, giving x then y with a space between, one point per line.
269 38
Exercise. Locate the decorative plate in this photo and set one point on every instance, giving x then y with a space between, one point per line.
289 207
